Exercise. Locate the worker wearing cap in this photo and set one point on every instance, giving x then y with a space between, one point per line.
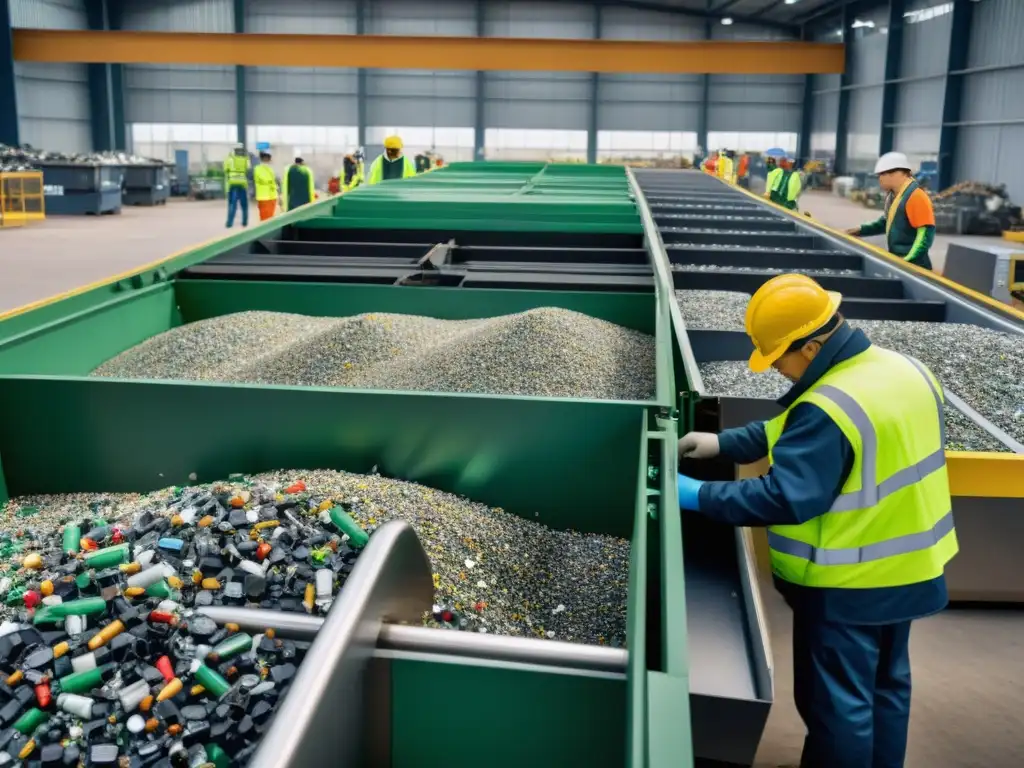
908 220
392 164
297 185
236 184
352 170
857 506
786 185
265 181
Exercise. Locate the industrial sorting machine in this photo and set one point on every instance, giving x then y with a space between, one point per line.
471 241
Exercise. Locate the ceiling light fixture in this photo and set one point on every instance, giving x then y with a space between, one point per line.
727 20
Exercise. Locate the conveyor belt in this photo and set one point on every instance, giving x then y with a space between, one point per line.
549 261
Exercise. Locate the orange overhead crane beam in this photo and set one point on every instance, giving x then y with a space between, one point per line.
434 53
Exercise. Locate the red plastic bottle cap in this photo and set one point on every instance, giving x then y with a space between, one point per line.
163 664
159 617
447 616
43 695
32 598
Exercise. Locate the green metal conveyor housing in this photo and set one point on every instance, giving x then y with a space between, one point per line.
602 466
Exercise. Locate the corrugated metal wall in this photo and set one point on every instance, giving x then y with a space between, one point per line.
765 103
919 102
991 142
648 102
555 100
53 99
192 94
867 76
300 95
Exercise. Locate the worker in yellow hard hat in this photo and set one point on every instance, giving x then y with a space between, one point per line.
392 164
857 506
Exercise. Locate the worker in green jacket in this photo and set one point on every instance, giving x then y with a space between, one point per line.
785 186
236 184
265 181
297 185
772 166
392 164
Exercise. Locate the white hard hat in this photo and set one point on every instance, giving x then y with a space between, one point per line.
892 161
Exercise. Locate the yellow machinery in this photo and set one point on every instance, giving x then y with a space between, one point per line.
21 198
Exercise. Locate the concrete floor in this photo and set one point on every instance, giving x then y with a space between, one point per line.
968 665
65 252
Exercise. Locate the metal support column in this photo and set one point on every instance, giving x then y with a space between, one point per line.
595 87
959 40
8 92
845 80
361 115
893 64
803 139
241 118
480 113
705 101
106 82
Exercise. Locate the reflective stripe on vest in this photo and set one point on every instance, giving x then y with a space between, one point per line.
871 493
876 532
901 545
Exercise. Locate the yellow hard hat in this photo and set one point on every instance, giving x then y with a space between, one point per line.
393 142
785 309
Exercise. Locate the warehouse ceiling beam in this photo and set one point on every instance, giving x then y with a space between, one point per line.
362 109
480 104
435 53
803 139
823 13
241 113
8 90
595 93
106 82
705 99
893 64
952 100
843 111
761 12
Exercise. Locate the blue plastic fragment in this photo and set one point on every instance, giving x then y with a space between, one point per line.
172 544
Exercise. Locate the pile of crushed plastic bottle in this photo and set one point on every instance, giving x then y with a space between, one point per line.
28 158
104 660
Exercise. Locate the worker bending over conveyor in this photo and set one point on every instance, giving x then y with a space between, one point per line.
908 219
297 185
392 164
236 184
857 506
265 181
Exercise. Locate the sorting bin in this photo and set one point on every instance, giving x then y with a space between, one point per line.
146 185
73 190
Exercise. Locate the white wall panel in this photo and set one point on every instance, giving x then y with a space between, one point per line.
868 66
627 24
53 99
864 128
528 19
824 114
996 33
992 154
301 17
995 95
454 18
925 46
182 93
920 102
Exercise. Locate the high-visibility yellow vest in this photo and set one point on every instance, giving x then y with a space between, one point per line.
265 182
235 169
892 523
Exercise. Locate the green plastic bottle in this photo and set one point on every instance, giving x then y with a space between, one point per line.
344 522
108 557
238 643
31 720
72 538
211 680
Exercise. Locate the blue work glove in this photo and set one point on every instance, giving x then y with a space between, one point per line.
688 493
